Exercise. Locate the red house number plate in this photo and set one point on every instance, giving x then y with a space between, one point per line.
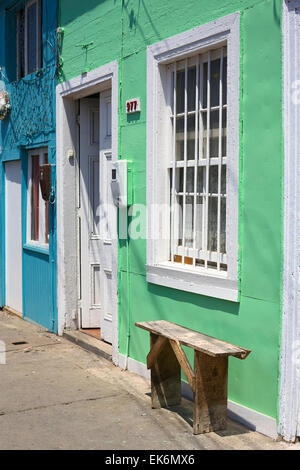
133 106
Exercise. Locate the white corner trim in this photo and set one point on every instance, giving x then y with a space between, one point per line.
88 83
289 403
251 419
196 40
212 286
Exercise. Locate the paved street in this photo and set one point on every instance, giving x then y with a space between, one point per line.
55 395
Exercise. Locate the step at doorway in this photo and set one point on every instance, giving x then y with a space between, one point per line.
94 332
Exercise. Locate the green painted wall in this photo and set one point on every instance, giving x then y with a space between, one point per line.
122 30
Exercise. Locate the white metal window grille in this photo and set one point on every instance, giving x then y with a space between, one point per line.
198 166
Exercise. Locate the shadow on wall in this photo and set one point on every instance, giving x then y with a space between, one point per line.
133 16
180 296
277 11
76 9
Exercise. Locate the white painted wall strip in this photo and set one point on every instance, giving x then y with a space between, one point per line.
289 405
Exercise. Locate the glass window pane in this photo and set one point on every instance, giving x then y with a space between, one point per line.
179 180
223 226
32 38
21 43
213 179
212 241
204 85
191 89
204 133
215 83
199 222
35 190
223 180
190 172
178 220
201 179
191 137
180 81
39 209
189 221
180 138
214 134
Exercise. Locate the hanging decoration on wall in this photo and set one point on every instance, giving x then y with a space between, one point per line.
4 104
4 98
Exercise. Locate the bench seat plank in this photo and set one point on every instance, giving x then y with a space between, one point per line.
193 339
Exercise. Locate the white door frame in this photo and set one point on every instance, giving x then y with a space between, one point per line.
67 93
289 405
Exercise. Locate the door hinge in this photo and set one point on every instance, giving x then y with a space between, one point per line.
78 119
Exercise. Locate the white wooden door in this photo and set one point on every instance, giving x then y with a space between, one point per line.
108 216
89 214
13 235
98 217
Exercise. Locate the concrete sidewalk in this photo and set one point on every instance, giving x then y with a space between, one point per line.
55 395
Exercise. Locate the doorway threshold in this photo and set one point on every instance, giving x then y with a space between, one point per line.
94 332
89 343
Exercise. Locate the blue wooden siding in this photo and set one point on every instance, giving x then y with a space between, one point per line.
31 124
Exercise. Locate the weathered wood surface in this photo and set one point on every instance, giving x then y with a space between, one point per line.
184 363
165 377
198 341
210 402
159 344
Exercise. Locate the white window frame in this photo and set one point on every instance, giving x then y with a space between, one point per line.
219 33
39 38
42 221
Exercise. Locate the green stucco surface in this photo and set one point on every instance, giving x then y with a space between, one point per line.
122 31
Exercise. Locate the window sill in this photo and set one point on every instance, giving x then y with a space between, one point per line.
217 286
41 249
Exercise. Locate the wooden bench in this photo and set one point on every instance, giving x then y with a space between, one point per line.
208 380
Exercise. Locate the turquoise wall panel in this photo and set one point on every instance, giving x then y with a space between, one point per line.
30 124
36 287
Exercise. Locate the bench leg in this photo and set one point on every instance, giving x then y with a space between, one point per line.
210 405
165 377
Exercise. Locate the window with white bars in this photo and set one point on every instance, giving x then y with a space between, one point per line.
192 159
197 167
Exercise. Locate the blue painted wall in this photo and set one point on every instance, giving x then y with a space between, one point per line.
30 124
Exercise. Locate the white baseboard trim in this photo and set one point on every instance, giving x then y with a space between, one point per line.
252 419
134 366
